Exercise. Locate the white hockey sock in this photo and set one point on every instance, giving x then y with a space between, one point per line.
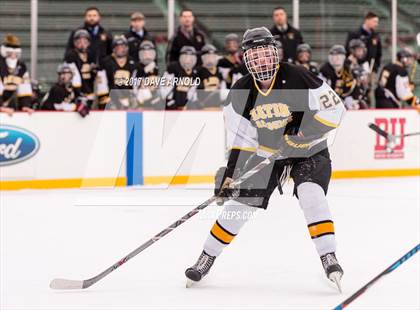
315 208
227 226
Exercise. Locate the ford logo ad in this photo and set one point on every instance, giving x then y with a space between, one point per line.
16 145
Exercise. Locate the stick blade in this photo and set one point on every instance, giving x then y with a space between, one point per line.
64 284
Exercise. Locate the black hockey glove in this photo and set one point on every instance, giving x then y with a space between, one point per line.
223 179
82 106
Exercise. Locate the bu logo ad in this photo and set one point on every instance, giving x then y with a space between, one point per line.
396 127
16 145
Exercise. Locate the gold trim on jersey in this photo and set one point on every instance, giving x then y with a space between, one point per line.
296 145
325 122
267 149
248 149
321 228
221 234
265 94
24 95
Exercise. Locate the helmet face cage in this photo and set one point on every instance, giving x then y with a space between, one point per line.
209 60
147 56
187 61
262 61
120 50
336 60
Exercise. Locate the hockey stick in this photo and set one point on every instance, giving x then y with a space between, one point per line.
386 271
389 136
65 284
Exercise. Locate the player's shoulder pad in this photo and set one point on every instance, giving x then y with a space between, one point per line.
173 67
238 94
245 82
71 56
309 80
401 71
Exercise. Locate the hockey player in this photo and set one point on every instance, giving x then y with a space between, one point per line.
303 58
212 88
116 76
278 106
179 80
16 84
393 89
359 67
339 76
147 92
232 59
83 64
61 96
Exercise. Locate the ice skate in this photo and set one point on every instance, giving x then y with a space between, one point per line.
332 269
199 269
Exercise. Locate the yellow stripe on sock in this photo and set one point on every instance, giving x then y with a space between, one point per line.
221 234
321 228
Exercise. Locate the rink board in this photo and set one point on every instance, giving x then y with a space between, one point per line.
118 148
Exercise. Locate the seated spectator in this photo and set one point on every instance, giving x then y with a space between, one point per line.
186 35
137 34
83 65
117 77
147 93
303 58
231 59
101 40
15 89
394 89
211 90
61 96
179 80
340 78
289 36
359 66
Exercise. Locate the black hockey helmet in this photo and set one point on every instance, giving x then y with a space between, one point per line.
209 56
231 37
64 68
337 56
147 45
189 50
405 56
208 49
304 47
255 37
81 33
337 49
355 43
261 53
404 53
119 40
147 52
188 57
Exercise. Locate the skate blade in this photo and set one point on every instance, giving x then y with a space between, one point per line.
336 278
190 283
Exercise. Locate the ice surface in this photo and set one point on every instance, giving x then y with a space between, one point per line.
272 264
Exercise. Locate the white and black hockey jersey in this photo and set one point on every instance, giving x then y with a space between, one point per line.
294 114
393 87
